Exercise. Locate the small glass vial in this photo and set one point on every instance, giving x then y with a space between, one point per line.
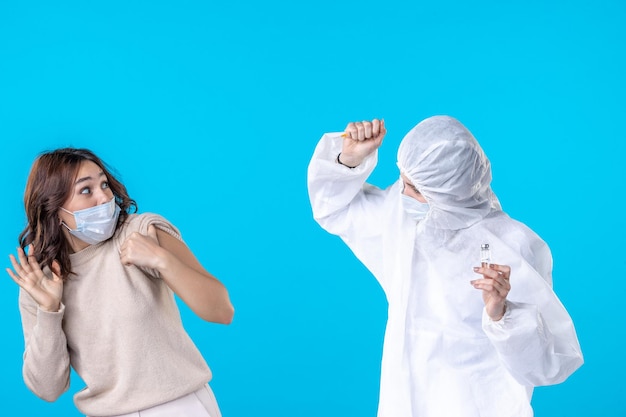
485 255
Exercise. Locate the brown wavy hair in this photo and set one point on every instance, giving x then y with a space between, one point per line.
49 185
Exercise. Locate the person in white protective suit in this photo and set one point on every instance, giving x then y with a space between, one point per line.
462 340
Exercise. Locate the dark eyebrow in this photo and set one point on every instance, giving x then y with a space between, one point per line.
83 179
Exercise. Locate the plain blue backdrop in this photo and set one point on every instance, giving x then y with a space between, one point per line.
210 111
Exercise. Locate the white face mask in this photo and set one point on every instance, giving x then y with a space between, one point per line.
95 224
415 209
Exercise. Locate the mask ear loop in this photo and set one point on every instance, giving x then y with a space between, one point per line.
61 222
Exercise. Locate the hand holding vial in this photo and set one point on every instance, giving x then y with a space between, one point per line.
494 284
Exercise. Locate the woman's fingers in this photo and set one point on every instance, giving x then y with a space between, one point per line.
55 268
27 274
14 277
23 259
26 267
17 267
20 276
34 266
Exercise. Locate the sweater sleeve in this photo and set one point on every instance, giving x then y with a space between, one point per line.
46 369
140 223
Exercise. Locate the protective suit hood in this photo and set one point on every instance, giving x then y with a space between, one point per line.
446 164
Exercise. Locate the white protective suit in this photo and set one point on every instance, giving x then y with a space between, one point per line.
442 355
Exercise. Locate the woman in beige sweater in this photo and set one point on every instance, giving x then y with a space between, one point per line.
97 287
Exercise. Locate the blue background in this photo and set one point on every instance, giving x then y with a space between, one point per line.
210 112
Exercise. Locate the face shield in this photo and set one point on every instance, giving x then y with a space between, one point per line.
445 163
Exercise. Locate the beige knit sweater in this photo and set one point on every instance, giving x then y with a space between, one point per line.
118 327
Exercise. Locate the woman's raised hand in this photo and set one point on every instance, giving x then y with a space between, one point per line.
142 250
45 290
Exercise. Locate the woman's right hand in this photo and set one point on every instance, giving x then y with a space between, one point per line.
46 291
360 140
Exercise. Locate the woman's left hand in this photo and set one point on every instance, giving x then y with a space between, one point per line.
181 271
495 286
142 250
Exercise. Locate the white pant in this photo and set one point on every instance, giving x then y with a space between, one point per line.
201 403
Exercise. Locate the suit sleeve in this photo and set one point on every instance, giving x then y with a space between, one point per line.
535 339
344 204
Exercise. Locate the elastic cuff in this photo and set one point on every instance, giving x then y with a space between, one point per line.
341 163
489 321
44 316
